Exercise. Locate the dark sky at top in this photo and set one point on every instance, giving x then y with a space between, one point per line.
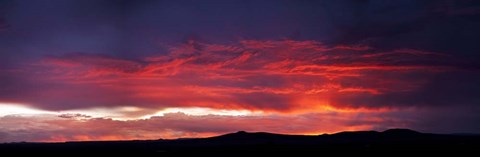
131 29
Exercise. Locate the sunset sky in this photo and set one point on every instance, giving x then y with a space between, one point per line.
77 70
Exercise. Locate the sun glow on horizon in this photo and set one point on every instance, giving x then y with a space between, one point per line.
203 111
20 109
124 113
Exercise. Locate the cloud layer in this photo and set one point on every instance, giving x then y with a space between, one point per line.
283 75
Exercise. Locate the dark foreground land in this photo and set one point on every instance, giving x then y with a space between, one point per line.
395 140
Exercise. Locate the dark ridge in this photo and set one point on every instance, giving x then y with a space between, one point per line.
393 140
347 133
241 135
399 131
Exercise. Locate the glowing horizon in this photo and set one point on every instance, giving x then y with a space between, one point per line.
56 120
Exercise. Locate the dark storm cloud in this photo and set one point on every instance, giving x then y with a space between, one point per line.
3 24
442 26
131 29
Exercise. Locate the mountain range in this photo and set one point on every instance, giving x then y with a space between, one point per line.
393 140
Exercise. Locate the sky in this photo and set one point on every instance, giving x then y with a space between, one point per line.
76 70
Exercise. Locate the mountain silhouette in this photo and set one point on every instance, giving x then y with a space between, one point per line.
393 140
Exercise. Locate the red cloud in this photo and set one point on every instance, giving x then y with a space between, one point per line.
252 74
